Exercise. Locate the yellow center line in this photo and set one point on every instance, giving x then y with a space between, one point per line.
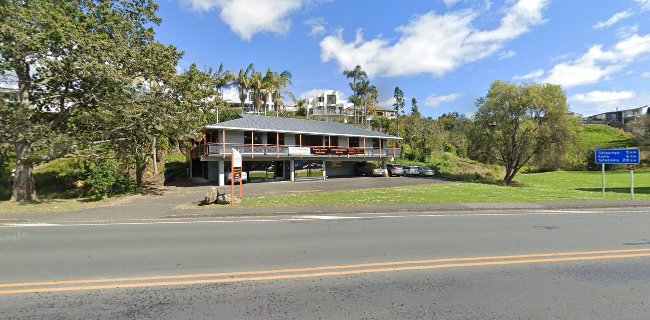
311 269
325 274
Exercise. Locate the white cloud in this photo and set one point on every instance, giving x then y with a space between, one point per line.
387 103
435 100
530 76
506 54
644 4
230 94
318 26
646 74
432 43
248 17
450 3
603 97
614 19
598 64
315 92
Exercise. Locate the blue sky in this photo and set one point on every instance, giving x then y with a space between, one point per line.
445 53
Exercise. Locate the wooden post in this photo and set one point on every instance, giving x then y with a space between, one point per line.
364 147
252 144
224 143
205 143
277 143
394 148
301 145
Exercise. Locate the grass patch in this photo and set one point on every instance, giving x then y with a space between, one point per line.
551 186
54 205
596 136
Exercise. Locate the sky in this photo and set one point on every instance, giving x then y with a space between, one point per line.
444 53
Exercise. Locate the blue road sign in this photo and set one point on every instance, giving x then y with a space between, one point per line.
619 156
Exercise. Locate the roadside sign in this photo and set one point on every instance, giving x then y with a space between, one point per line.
236 159
299 151
618 156
629 157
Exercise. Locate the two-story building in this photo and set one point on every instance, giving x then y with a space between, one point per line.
329 106
283 141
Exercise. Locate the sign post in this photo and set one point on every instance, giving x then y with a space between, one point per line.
235 170
628 157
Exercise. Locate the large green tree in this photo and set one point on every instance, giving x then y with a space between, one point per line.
515 123
68 58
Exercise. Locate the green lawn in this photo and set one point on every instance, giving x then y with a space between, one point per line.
552 186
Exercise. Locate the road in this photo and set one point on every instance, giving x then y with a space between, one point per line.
562 264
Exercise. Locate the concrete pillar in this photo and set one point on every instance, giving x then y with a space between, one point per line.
292 170
222 176
385 167
324 170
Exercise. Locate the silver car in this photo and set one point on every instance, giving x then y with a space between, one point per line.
412 171
426 172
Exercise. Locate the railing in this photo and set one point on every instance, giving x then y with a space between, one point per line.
220 149
317 112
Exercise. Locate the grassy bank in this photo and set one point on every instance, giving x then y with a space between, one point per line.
552 186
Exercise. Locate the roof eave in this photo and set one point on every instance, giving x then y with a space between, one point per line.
301 132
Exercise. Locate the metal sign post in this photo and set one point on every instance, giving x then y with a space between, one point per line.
628 157
603 178
631 168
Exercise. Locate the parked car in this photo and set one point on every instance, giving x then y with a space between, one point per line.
244 177
367 169
426 172
412 171
395 170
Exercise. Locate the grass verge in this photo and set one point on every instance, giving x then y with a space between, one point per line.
551 186
55 205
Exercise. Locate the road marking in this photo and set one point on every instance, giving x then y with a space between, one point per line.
298 273
320 217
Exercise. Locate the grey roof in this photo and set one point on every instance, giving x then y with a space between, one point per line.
289 125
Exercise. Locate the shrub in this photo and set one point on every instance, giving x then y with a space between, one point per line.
101 180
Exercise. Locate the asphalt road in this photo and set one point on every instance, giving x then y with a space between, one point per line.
492 265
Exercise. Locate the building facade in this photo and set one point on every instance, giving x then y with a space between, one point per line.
329 106
283 141
619 117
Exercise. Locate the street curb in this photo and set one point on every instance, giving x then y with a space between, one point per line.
397 209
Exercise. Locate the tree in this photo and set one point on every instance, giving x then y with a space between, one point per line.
242 81
279 84
357 75
414 108
399 104
515 123
69 58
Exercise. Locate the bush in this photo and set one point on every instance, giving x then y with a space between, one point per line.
101 180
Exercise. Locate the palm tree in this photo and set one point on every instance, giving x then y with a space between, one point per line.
256 90
243 82
280 84
267 88
357 74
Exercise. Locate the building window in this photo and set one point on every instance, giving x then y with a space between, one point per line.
331 99
271 137
334 141
375 143
353 142
248 137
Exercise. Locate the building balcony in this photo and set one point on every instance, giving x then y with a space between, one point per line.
216 150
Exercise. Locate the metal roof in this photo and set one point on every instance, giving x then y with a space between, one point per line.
289 125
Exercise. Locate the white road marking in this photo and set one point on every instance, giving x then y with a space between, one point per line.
325 217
